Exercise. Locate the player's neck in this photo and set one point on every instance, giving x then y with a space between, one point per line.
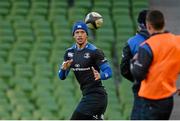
157 31
81 46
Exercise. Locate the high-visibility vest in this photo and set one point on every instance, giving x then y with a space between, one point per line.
160 81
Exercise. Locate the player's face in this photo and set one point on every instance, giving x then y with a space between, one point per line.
80 37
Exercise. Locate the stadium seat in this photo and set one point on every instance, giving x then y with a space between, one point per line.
67 112
6 31
21 100
20 8
21 115
24 70
23 31
103 11
5 115
102 4
61 45
76 13
60 21
20 107
25 45
39 8
40 91
7 39
5 46
18 56
42 46
45 38
21 83
120 11
42 114
45 70
57 57
26 39
4 7
64 31
39 56
33 18
12 18
3 56
60 3
121 4
42 82
83 3
47 103
3 86
58 10
6 70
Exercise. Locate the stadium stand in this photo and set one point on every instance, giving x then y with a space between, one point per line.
33 37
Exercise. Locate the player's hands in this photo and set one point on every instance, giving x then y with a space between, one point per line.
96 74
134 59
135 56
178 91
66 64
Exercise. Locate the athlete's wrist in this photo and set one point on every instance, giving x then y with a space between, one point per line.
64 66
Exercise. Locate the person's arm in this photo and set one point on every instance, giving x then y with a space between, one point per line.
105 72
125 63
140 65
105 69
63 74
65 67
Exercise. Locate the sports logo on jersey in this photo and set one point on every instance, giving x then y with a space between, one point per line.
98 117
77 65
70 54
95 117
86 55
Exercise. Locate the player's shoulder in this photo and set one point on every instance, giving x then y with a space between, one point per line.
71 48
135 38
69 51
91 47
94 49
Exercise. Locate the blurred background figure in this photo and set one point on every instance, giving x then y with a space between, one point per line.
155 57
128 53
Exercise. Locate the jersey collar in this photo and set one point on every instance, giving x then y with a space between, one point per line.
79 49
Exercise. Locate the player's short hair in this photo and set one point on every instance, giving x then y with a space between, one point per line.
156 19
141 20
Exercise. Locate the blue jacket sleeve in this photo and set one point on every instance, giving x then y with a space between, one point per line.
125 63
140 67
106 71
63 74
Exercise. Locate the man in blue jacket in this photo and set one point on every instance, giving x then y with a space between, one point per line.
129 51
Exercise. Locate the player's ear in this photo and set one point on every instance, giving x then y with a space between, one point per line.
148 26
74 37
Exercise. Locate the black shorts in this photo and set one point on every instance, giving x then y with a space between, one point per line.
92 106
